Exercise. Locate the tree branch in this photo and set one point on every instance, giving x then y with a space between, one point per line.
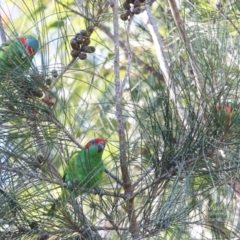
2 32
120 126
62 127
180 25
163 65
129 63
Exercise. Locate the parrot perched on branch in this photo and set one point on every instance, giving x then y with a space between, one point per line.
224 110
17 54
227 107
228 114
15 58
85 167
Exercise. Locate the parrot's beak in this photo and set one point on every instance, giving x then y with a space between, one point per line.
101 146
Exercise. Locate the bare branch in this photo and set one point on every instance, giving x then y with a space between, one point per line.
2 32
129 63
142 177
121 129
163 65
119 181
183 34
62 127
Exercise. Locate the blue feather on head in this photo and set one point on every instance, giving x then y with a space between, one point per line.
32 42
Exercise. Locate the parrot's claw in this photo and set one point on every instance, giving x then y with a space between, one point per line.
69 184
99 191
72 184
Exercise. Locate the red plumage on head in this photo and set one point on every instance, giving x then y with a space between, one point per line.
23 41
227 107
29 49
95 141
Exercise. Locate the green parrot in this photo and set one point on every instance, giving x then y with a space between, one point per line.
15 58
224 111
17 54
228 114
85 167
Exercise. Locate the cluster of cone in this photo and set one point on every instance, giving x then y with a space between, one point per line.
39 91
80 44
47 97
131 7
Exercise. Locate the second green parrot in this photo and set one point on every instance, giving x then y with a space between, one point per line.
228 114
15 58
17 54
224 113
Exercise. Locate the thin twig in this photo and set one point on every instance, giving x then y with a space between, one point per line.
119 181
142 177
129 63
61 74
180 25
220 9
163 65
63 128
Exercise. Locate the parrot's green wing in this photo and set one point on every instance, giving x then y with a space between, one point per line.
85 167
5 53
5 45
84 170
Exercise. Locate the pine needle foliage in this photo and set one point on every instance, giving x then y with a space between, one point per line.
159 80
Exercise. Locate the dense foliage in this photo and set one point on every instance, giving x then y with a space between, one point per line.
159 81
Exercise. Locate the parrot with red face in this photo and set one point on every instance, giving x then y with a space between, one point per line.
17 54
224 111
86 166
16 57
228 114
227 107
84 170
